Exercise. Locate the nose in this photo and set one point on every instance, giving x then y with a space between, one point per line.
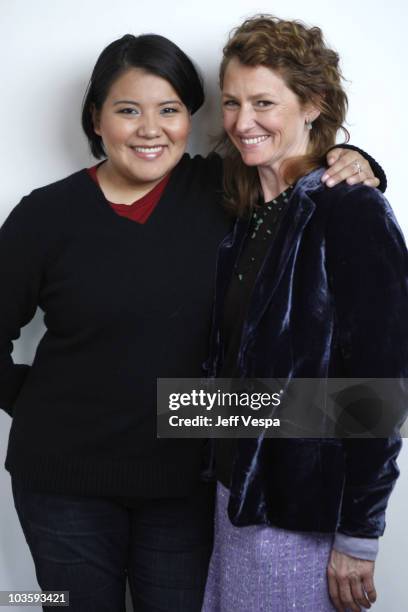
245 118
149 126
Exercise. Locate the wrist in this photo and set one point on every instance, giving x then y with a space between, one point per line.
360 548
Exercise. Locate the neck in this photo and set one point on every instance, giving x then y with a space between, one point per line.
272 183
121 189
271 176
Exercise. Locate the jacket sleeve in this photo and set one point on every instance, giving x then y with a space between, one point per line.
367 264
21 262
375 166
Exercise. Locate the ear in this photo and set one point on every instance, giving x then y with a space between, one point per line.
312 111
95 120
314 114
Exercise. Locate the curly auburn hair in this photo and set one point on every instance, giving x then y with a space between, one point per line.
311 70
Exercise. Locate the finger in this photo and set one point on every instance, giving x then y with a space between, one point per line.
357 591
369 588
348 158
358 177
334 592
346 597
352 174
372 182
335 169
341 175
337 160
334 155
343 157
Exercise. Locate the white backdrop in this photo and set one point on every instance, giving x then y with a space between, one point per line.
47 51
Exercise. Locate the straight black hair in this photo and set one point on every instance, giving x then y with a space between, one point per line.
153 53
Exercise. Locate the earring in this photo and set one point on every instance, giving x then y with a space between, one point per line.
308 124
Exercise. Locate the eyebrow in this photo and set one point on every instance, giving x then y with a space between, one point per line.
170 102
138 104
262 94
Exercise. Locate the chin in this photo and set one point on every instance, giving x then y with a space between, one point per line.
255 160
249 162
149 172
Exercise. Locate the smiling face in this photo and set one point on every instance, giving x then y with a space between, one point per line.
144 127
262 116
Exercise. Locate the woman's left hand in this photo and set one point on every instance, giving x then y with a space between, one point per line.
349 165
351 582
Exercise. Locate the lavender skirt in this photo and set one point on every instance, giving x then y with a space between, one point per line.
265 569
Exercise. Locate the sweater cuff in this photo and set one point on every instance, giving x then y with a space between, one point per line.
375 166
361 548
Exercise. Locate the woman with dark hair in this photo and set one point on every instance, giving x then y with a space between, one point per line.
120 257
312 283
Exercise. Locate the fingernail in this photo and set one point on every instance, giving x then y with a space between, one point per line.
325 177
330 182
331 160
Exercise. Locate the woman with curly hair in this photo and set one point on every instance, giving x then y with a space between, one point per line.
312 283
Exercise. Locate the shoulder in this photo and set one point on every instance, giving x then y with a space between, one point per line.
45 204
209 168
352 205
350 216
345 195
65 186
198 183
359 207
361 223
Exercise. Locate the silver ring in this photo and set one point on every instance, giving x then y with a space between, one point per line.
357 166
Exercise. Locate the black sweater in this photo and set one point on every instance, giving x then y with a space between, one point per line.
123 304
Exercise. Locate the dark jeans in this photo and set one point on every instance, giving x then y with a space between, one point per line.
88 546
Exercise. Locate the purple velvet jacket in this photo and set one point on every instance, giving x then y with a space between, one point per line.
331 300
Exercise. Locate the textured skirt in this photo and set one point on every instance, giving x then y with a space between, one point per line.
265 569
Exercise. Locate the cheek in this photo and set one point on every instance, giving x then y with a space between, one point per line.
297 121
275 124
113 131
179 132
227 121
224 120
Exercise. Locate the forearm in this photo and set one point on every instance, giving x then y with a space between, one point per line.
21 270
368 271
370 476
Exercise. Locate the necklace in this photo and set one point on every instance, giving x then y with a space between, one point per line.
262 229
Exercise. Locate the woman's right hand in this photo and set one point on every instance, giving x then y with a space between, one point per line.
351 582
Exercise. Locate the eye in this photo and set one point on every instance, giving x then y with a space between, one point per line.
264 103
128 111
169 110
230 103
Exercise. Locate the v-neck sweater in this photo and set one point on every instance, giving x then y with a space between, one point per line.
124 303
141 209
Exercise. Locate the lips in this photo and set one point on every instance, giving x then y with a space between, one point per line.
148 153
148 149
253 140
